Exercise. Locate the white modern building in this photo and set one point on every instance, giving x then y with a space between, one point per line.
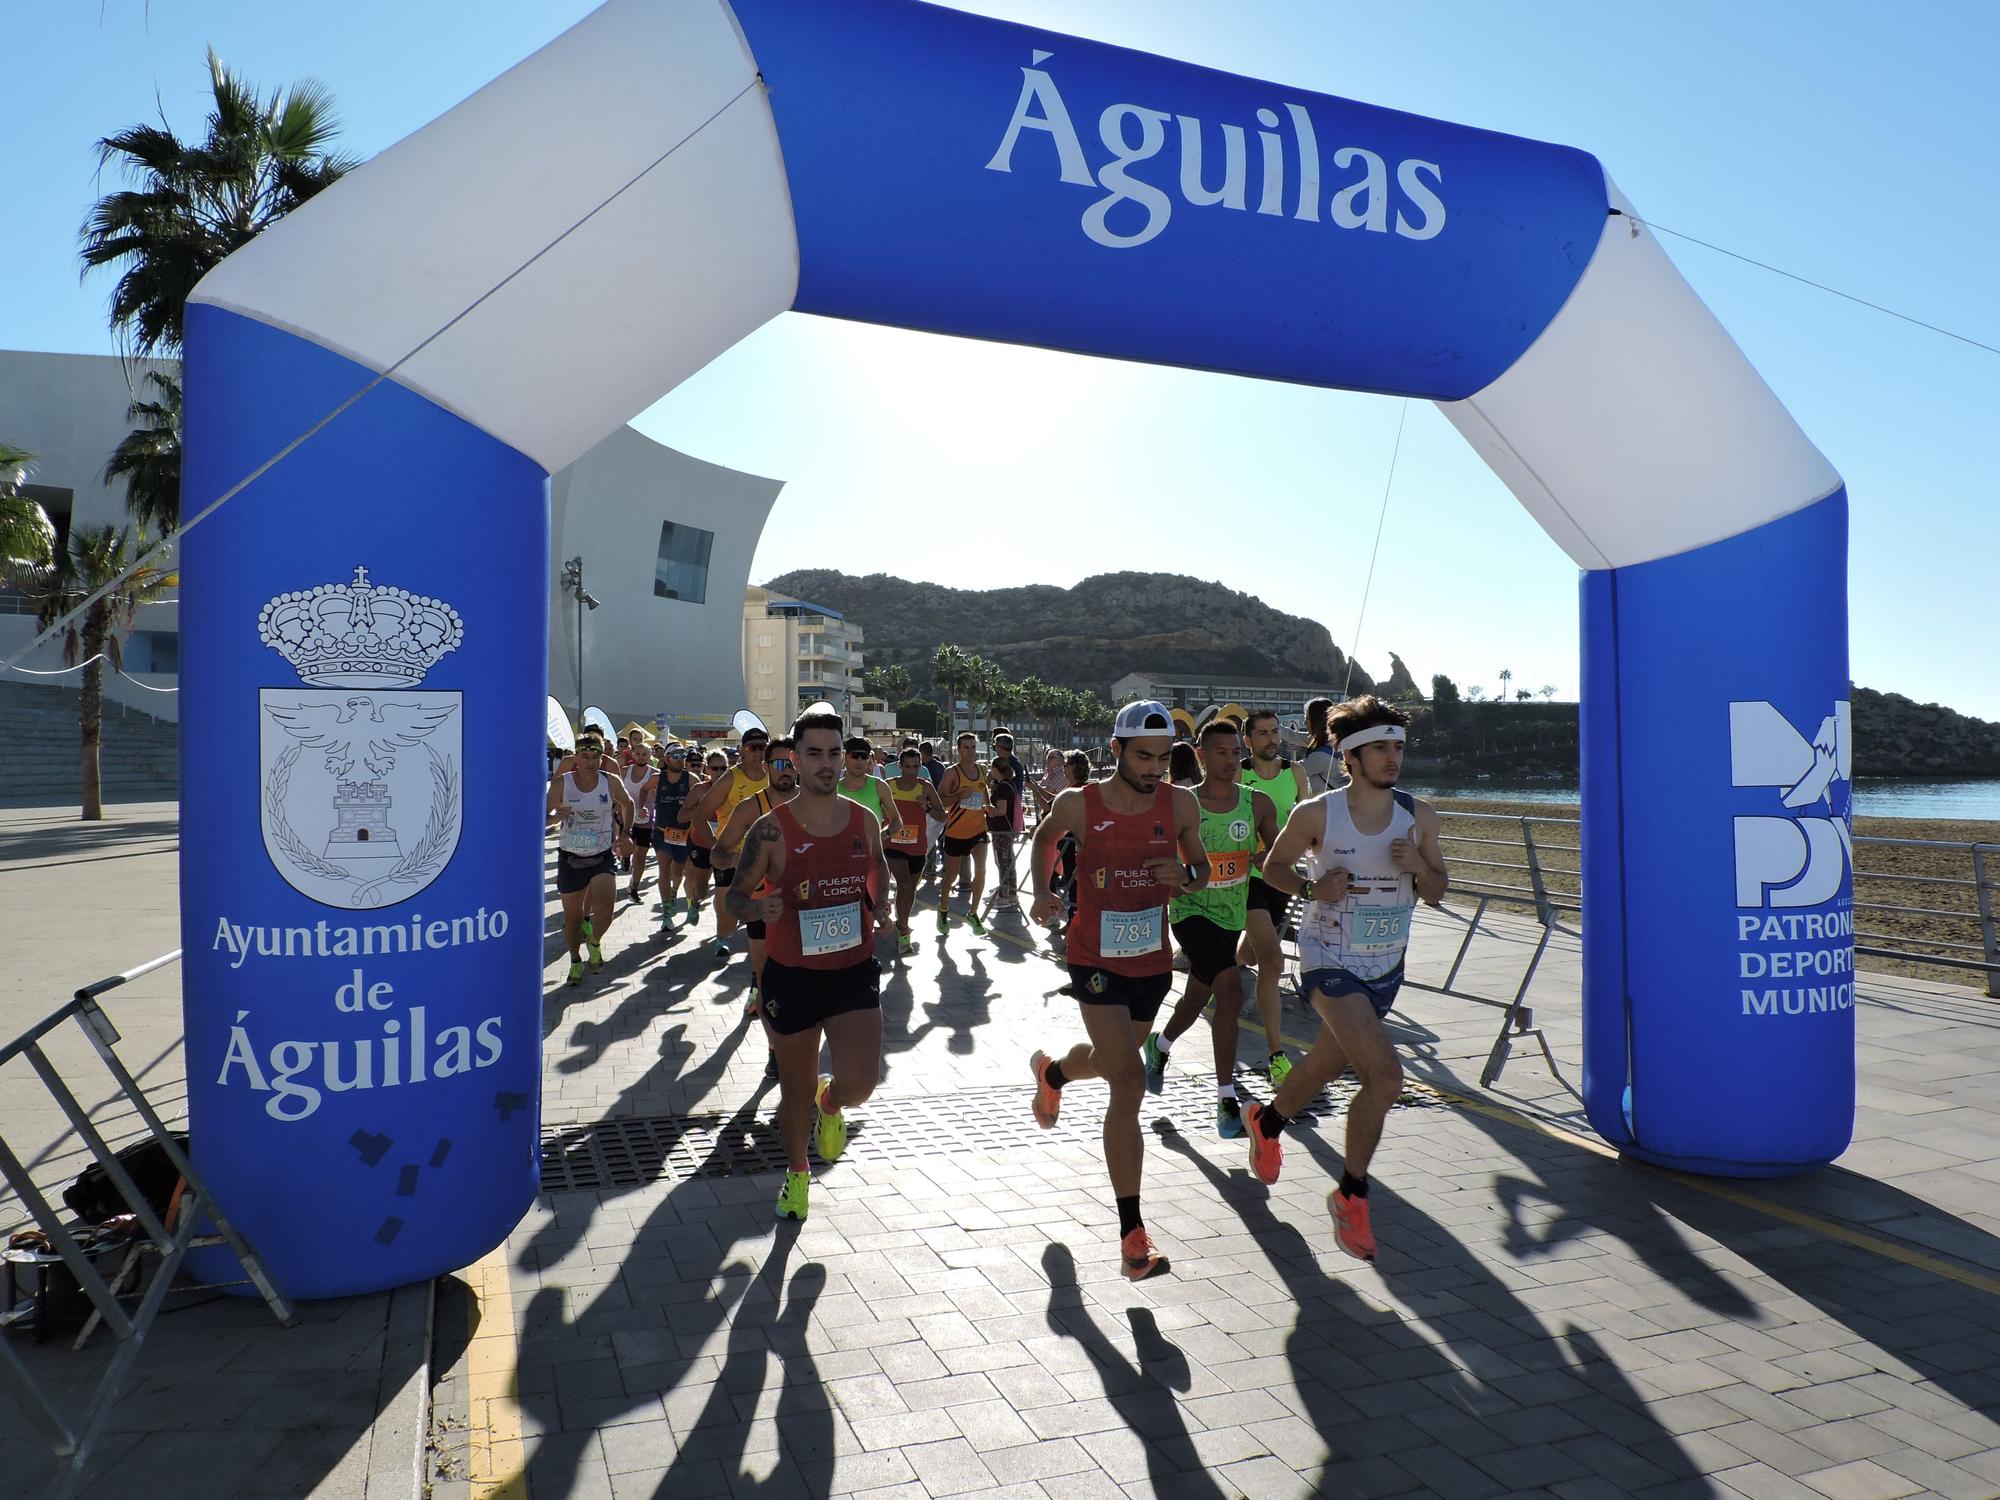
796 653
666 543
70 411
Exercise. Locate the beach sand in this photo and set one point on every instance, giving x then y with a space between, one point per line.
1936 879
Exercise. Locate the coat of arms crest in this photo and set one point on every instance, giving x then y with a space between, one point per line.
362 792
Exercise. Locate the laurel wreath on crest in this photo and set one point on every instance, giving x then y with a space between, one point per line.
434 847
281 829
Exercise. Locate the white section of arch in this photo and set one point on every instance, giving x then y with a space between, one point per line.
608 274
1634 428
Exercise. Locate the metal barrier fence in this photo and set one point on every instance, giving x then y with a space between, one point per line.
1917 901
168 1236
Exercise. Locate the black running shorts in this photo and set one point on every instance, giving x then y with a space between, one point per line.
957 848
1210 950
797 999
573 878
1272 903
1141 994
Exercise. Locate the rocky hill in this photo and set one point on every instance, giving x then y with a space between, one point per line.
1084 637
1895 737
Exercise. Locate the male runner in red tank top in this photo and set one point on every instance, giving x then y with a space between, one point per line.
819 857
1138 845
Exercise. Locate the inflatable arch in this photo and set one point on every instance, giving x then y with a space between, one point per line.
479 305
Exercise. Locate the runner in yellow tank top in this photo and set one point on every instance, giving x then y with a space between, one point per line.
964 794
718 800
1285 784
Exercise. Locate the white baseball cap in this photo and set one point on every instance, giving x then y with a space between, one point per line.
1143 717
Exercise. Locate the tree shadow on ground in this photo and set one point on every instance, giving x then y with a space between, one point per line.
1473 1389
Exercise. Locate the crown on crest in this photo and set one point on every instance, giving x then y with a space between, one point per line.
359 634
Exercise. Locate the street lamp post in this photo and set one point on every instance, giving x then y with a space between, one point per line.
572 582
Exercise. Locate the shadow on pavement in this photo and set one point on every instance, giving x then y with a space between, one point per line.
1586 1418
1141 1391
1943 1331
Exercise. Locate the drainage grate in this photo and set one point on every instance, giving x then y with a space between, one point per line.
632 1150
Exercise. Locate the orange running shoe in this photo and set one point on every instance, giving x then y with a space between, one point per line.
1048 1101
1266 1153
1137 1255
1351 1229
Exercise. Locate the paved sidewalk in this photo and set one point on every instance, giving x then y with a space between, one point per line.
221 1401
1543 1318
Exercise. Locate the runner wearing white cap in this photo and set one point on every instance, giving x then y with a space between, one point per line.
1138 843
1370 854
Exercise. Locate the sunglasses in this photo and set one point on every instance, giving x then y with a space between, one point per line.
780 763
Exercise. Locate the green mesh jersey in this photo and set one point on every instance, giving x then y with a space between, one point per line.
1230 837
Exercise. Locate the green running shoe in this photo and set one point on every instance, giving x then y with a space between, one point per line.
596 957
1279 1068
944 921
589 931
905 945
829 1130
1156 1064
792 1196
978 927
694 912
1228 1119
576 972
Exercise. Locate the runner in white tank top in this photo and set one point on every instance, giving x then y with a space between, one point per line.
641 783
1372 853
1365 934
589 810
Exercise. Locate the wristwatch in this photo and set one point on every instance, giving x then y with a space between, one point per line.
1306 888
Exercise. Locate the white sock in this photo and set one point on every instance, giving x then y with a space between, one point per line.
1163 1042
1226 1091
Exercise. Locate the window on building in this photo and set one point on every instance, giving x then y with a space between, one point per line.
682 570
763 669
153 651
764 641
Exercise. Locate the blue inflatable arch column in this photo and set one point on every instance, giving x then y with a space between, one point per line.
482 303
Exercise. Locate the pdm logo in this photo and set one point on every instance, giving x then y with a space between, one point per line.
1799 851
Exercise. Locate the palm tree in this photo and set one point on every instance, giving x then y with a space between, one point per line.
1092 712
94 557
193 203
190 205
26 535
891 684
148 458
1505 677
951 674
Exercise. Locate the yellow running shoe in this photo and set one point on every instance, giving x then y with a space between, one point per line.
829 1129
792 1196
1278 1069
596 957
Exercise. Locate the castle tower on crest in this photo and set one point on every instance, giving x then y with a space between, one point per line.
361 829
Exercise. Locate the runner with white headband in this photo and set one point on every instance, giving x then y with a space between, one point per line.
1370 854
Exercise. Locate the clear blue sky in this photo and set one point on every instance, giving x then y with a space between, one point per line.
1842 141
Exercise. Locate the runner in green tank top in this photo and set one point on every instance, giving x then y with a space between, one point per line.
1236 821
1276 777
859 784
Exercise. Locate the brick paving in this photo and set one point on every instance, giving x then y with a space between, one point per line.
1543 1320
